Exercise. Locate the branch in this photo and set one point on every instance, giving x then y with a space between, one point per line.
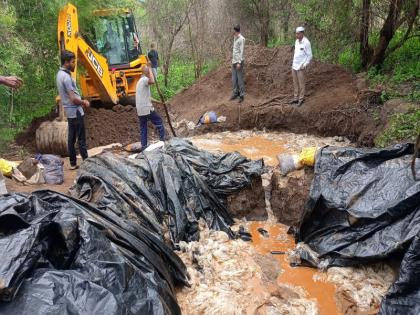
411 19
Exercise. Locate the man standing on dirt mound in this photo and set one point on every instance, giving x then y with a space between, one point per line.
238 65
73 105
301 60
145 109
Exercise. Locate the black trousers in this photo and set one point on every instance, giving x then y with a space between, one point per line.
76 132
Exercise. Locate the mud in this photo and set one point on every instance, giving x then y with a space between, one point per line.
289 194
240 205
103 127
331 106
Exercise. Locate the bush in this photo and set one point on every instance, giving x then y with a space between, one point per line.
402 127
181 76
350 58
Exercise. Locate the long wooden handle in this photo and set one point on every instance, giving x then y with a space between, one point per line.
165 107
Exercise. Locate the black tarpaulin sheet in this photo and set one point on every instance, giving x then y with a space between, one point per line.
364 206
63 256
168 190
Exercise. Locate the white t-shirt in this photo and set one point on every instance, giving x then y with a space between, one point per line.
143 97
303 53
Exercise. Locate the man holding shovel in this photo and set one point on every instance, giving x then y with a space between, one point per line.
145 109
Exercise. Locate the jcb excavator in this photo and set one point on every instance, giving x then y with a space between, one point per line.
111 59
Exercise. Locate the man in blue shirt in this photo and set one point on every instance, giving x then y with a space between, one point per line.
73 106
154 59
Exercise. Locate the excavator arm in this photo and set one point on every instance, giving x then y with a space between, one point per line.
96 65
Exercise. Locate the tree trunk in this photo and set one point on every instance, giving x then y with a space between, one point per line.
167 62
365 49
265 22
262 11
387 33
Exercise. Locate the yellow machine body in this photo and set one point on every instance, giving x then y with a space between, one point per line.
112 60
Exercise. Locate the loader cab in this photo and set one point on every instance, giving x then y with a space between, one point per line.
116 38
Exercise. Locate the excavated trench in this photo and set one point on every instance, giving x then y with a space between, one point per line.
237 277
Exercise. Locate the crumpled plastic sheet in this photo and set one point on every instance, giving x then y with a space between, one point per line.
364 206
168 189
62 256
104 252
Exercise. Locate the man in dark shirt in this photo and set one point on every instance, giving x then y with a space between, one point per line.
154 59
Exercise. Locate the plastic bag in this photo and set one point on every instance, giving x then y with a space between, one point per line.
208 118
364 206
307 156
6 167
177 185
292 162
63 256
53 168
288 163
133 147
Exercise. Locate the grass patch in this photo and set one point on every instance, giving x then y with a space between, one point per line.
181 76
402 127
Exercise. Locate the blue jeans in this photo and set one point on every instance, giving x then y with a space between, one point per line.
76 130
157 121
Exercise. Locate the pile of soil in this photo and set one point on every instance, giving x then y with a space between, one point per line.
332 105
103 127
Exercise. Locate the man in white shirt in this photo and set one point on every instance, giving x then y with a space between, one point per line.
238 65
301 60
145 109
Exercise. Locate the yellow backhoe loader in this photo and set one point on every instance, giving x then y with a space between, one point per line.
111 58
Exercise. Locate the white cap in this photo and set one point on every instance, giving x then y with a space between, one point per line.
300 29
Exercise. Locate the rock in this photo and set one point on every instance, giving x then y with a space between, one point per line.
28 167
249 202
289 194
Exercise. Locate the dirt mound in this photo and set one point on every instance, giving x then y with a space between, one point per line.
331 106
103 126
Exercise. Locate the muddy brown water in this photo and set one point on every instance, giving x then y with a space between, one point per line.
262 145
254 147
322 291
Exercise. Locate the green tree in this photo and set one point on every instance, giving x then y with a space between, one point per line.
166 18
401 14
